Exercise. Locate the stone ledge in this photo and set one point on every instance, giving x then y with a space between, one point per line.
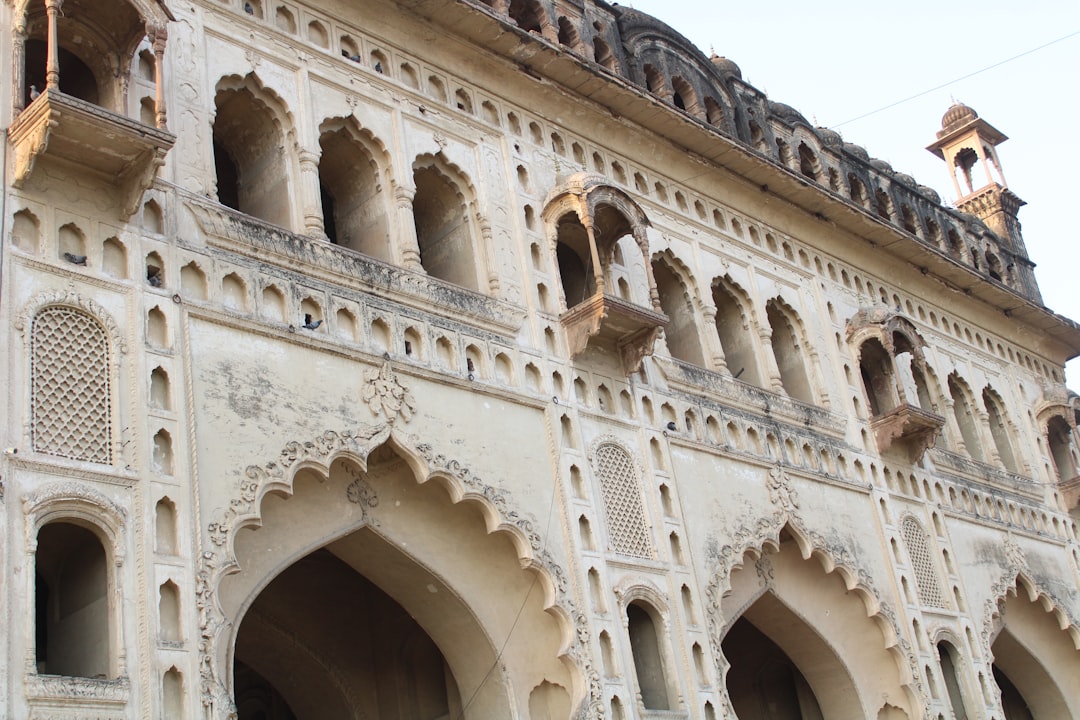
245 235
727 390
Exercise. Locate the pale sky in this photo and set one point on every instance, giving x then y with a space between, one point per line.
838 60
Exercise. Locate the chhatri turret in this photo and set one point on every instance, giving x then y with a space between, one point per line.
968 145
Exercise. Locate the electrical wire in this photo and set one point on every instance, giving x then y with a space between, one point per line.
956 80
517 617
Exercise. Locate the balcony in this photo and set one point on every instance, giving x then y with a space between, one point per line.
605 321
909 427
66 132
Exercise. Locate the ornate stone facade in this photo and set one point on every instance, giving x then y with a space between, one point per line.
464 359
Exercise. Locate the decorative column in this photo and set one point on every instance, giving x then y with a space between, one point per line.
772 370
642 240
712 340
52 64
158 35
487 251
18 66
408 244
594 253
311 194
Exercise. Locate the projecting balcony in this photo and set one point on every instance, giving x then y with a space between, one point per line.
605 321
64 131
907 426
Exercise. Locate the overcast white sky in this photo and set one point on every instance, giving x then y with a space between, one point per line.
837 60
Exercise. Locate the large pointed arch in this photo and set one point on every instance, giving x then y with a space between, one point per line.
778 577
342 467
1034 643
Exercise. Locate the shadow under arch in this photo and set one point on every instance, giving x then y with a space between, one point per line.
431 536
1036 647
829 631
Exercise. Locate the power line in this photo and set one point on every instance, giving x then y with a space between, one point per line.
956 80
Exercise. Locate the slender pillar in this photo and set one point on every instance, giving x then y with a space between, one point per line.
18 66
52 64
311 195
772 370
158 36
409 248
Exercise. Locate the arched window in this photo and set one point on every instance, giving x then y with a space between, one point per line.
574 258
681 332
922 563
876 369
808 162
685 97
70 407
624 509
788 350
443 228
648 657
72 613
1059 438
251 156
999 429
527 14
568 34
947 659
965 419
654 81
733 328
353 200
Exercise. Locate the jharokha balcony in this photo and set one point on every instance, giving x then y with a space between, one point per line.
605 320
64 130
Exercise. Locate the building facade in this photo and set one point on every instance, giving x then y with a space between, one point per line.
452 359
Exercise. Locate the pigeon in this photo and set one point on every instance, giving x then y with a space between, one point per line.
310 324
34 93
354 58
671 426
378 67
154 280
75 259
249 9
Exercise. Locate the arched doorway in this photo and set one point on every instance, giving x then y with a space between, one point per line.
800 644
365 593
1035 661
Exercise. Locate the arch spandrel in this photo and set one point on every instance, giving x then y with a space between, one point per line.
317 460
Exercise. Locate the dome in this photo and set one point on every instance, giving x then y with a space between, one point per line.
857 150
905 179
726 66
930 193
881 166
829 137
787 113
957 115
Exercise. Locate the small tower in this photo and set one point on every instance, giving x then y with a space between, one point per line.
968 145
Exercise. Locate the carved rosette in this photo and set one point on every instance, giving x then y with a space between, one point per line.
385 395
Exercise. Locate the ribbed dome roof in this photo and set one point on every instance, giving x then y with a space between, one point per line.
957 115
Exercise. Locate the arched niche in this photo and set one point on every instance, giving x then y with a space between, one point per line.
392 519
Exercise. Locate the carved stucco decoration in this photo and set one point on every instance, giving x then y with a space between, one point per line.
754 538
386 395
69 297
218 558
1017 575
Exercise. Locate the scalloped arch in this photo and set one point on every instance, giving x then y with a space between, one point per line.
425 464
764 537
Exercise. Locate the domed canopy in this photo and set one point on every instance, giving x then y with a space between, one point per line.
958 114
726 66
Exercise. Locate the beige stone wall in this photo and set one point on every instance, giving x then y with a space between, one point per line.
428 472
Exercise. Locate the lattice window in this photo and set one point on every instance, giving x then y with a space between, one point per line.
69 366
926 577
623 507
